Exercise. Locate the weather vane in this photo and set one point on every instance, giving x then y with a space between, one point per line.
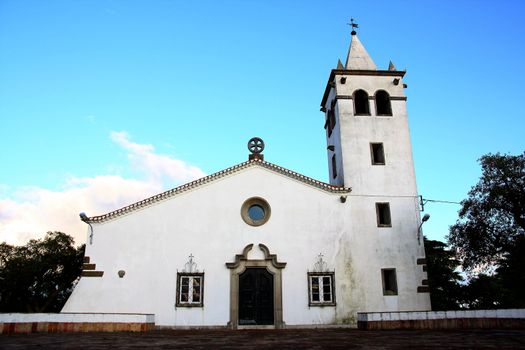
353 26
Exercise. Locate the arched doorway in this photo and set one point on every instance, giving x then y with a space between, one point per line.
256 290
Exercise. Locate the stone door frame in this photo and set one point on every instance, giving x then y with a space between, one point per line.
274 267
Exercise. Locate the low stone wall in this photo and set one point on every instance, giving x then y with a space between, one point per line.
462 319
75 322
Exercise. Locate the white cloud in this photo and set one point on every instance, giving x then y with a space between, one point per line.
155 166
31 212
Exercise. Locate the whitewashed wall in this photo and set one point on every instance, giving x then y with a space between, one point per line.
151 244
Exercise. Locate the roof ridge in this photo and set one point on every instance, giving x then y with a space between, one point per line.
208 178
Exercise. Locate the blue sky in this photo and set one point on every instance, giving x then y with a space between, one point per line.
106 102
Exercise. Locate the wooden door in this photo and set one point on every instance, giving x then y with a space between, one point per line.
256 297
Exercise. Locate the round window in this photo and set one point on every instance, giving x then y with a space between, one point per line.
255 211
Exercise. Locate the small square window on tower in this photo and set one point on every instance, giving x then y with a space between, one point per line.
378 153
330 119
389 281
383 215
334 166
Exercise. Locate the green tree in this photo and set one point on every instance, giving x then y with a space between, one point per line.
446 290
492 219
484 292
511 276
489 235
39 276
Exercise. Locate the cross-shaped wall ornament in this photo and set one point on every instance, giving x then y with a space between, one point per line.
320 265
190 266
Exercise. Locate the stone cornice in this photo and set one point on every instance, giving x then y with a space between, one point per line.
343 72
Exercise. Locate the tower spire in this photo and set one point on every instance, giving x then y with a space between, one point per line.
358 58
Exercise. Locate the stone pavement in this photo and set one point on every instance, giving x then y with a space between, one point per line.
338 338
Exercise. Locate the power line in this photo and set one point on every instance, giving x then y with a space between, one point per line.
440 201
382 195
423 201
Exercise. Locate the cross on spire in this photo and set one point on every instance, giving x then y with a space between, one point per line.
353 25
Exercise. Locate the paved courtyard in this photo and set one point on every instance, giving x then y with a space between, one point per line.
272 339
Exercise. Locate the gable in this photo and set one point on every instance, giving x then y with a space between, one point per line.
292 175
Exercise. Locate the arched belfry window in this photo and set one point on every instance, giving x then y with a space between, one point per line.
383 106
361 104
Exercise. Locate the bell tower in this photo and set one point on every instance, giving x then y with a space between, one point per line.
369 150
367 127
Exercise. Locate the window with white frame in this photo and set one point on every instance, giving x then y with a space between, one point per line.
321 288
190 289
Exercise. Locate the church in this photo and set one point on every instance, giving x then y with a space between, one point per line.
259 245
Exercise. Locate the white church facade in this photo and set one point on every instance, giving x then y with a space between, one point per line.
260 245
